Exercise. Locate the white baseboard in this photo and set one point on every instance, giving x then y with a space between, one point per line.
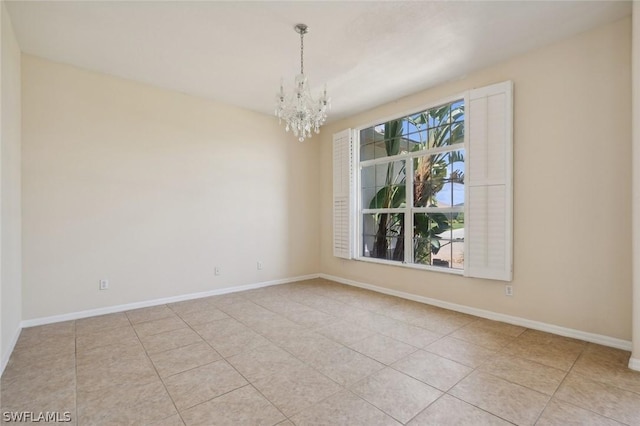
7 354
523 322
155 302
634 364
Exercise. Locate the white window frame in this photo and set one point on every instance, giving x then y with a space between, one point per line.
409 211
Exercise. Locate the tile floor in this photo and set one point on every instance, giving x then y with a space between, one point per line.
314 353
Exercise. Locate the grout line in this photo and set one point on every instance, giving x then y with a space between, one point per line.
75 368
427 407
238 371
156 370
596 381
482 409
268 400
560 385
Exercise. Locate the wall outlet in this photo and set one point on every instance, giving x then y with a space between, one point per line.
104 284
260 265
216 270
508 290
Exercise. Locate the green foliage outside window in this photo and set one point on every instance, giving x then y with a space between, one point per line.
430 130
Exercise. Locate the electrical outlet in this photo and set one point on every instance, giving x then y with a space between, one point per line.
260 265
216 270
508 290
104 284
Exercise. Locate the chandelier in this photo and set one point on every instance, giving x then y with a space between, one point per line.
299 110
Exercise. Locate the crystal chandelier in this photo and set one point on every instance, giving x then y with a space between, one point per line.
299 110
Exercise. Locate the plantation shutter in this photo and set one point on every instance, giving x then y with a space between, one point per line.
342 191
489 206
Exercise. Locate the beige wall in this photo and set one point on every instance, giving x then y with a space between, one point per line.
10 226
152 189
572 174
635 361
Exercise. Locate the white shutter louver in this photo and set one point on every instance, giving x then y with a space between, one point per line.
342 191
489 212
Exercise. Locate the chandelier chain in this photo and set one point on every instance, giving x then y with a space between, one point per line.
301 52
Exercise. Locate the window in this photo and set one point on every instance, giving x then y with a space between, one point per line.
411 188
432 189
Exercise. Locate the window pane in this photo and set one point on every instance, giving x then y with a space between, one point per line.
368 197
456 177
439 136
383 186
457 245
457 133
412 124
439 180
457 111
366 151
383 236
431 172
367 136
417 140
392 146
438 239
368 177
436 116
371 145
457 122
386 139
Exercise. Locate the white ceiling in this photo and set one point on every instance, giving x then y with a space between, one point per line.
367 53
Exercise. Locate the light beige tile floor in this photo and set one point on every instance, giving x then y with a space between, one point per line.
313 353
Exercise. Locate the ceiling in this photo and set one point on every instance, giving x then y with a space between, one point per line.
368 53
